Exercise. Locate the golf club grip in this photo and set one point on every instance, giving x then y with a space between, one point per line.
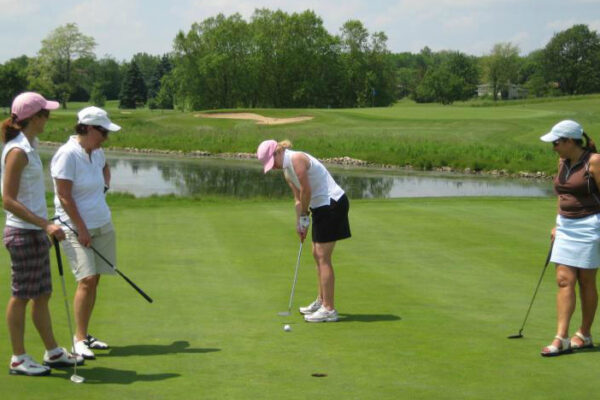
133 285
58 258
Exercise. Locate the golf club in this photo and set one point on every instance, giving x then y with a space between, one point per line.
74 378
288 312
140 291
520 334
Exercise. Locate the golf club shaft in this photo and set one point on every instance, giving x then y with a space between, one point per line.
538 286
64 289
295 278
133 285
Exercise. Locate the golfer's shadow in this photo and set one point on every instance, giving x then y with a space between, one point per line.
368 317
99 375
180 346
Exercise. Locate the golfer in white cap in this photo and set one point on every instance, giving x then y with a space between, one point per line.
315 192
81 178
576 248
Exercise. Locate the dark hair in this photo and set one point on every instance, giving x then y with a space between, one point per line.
11 126
81 129
589 143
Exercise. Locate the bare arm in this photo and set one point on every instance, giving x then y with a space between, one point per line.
106 174
64 190
16 161
301 164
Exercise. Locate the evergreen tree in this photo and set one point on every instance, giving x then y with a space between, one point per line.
133 88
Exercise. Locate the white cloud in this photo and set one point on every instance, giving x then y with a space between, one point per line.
18 8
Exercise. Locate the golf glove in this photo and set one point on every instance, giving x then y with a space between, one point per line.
303 224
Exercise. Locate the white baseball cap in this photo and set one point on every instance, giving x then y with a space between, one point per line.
564 129
98 117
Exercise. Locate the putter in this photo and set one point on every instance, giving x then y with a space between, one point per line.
520 334
289 310
74 378
133 285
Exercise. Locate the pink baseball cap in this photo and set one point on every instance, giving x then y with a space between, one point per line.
27 104
265 154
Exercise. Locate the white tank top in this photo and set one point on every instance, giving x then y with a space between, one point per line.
322 186
31 188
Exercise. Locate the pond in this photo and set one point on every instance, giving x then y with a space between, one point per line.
146 175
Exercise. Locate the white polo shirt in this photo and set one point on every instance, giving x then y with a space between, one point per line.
31 187
322 186
73 163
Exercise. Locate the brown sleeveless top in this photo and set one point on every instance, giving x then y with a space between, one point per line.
577 192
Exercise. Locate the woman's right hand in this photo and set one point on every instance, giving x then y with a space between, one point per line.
84 237
553 233
56 231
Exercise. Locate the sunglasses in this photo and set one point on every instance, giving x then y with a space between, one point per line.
102 130
44 113
556 142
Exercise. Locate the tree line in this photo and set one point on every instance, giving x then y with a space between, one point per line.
283 60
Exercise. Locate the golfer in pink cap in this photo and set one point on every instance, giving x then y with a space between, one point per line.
26 234
315 192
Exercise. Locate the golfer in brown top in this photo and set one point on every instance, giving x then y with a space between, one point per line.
576 249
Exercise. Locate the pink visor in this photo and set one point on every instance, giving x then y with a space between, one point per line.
265 154
28 104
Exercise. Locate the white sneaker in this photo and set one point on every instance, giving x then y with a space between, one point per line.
25 365
59 357
94 343
311 308
322 315
83 350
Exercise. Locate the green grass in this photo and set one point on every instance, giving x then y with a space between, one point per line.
428 289
476 135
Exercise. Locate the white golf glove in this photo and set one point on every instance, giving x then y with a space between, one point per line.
303 224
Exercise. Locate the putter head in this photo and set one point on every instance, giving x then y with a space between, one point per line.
284 314
77 379
517 336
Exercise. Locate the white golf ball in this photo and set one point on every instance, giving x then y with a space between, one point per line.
287 328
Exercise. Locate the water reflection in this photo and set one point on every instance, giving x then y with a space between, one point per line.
144 175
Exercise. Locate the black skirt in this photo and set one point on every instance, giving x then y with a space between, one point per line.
330 223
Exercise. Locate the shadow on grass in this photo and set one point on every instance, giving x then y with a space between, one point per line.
367 317
99 375
180 346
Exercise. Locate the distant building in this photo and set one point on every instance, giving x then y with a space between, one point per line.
513 92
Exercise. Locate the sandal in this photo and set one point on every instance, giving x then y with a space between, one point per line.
587 342
551 350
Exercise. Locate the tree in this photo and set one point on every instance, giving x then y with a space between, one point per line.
59 50
133 89
13 75
439 85
502 67
97 96
571 58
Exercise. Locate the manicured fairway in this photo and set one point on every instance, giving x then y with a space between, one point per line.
422 135
428 290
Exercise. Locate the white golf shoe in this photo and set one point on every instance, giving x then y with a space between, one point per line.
311 308
82 349
59 357
94 343
322 315
25 365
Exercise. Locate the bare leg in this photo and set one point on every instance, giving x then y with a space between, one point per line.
40 314
15 319
322 254
589 300
85 297
566 277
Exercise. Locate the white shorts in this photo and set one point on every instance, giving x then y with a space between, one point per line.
83 260
577 242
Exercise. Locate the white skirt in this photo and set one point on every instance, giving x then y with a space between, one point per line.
577 242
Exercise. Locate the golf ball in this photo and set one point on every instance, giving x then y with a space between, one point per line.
287 328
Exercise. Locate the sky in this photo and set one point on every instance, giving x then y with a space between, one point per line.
122 28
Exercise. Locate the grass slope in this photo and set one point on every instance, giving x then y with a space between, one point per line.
422 135
428 290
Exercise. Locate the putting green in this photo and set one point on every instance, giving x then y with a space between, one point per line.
427 291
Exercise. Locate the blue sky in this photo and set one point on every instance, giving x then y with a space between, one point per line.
122 28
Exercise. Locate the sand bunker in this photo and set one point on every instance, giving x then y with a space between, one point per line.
261 120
